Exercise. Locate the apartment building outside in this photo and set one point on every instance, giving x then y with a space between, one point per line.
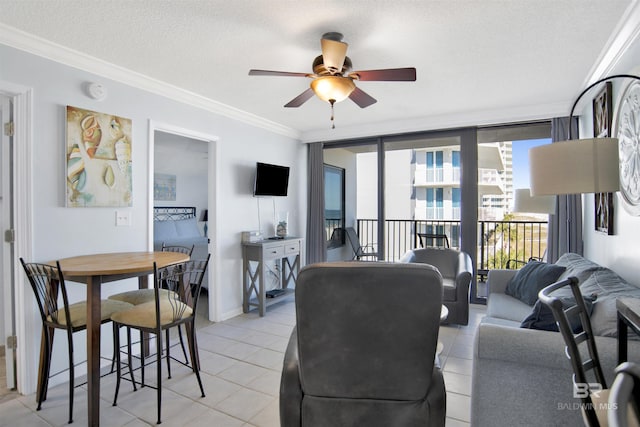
424 184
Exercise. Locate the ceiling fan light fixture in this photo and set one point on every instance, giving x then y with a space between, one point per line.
334 88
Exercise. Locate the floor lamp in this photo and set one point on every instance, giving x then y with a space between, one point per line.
524 202
576 166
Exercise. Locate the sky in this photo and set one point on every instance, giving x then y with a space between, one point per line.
520 159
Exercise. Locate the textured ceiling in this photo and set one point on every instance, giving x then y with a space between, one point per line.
480 59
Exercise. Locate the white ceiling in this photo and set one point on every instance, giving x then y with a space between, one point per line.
477 61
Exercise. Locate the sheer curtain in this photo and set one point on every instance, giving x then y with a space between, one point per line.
565 227
316 239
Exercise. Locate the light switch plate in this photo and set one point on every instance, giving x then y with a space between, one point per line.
123 218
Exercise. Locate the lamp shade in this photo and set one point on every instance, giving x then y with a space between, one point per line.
524 202
574 167
334 88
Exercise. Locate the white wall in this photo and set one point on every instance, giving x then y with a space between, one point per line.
60 232
398 184
620 251
367 178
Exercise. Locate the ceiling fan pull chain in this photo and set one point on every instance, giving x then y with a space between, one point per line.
333 124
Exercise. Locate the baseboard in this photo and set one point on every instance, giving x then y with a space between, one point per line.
231 313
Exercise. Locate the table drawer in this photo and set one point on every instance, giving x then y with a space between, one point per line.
273 252
292 247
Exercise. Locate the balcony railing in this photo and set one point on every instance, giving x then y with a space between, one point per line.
498 241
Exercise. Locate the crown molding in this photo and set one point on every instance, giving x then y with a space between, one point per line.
620 41
21 40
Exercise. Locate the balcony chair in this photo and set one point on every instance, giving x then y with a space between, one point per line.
624 397
47 283
457 271
440 240
359 251
363 350
514 264
169 309
580 347
337 238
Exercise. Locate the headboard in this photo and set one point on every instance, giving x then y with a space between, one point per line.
172 213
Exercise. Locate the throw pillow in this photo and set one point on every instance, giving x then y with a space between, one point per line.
608 286
532 278
187 228
542 317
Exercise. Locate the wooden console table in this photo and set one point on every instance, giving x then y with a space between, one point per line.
261 252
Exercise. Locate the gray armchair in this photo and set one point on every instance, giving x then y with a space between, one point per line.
457 271
363 350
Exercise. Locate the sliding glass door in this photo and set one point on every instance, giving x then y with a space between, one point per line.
402 192
435 188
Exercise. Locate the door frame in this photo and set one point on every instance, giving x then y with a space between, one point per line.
6 223
26 319
213 169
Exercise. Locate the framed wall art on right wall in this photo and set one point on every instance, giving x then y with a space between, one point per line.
602 119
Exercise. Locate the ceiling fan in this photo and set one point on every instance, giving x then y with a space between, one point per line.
333 80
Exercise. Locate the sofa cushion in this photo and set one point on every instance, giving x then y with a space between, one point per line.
608 286
576 266
500 322
448 289
503 306
531 278
542 318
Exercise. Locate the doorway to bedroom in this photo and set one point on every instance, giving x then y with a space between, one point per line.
183 193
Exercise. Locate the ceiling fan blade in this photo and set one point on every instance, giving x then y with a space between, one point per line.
362 98
300 99
333 54
277 73
388 75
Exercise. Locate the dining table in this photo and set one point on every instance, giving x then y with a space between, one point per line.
95 270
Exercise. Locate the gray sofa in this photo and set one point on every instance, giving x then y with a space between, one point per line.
521 377
457 271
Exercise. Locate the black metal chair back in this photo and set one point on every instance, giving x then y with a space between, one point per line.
574 342
48 285
184 282
177 248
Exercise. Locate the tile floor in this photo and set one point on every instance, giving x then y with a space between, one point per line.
241 362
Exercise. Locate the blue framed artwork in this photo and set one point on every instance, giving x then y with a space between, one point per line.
164 187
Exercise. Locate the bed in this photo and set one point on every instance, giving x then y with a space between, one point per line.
178 225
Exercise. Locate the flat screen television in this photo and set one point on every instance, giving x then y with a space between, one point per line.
271 180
